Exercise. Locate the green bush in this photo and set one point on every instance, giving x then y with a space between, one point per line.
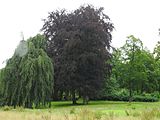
123 95
155 94
140 98
137 98
7 108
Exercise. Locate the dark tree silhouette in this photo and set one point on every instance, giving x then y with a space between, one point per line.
79 43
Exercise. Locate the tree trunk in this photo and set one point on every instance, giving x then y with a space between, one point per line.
55 95
74 97
130 91
50 104
60 95
67 97
85 100
142 88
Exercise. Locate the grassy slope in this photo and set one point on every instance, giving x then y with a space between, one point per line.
63 110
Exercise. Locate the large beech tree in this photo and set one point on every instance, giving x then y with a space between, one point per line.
28 75
79 44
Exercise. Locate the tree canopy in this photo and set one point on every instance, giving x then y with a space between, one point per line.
79 43
136 68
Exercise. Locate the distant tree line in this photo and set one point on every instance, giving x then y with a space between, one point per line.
135 71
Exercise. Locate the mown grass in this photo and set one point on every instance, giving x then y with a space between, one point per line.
95 110
106 106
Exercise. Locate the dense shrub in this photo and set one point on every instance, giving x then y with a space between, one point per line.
123 95
137 98
155 94
7 108
140 98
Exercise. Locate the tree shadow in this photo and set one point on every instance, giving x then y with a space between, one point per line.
59 105
69 104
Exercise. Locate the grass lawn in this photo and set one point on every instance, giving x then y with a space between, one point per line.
105 106
95 110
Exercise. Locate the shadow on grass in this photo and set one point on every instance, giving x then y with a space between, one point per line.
69 103
65 104
107 103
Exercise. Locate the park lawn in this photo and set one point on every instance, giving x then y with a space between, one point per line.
105 106
95 109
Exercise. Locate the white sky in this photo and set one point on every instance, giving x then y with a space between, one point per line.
138 17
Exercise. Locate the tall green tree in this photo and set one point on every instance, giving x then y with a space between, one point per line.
132 47
156 54
135 68
28 75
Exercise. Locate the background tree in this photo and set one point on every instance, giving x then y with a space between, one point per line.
129 50
156 54
135 68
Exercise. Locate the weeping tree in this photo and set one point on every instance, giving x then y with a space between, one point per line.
28 75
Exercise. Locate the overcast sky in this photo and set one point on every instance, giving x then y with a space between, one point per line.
138 17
